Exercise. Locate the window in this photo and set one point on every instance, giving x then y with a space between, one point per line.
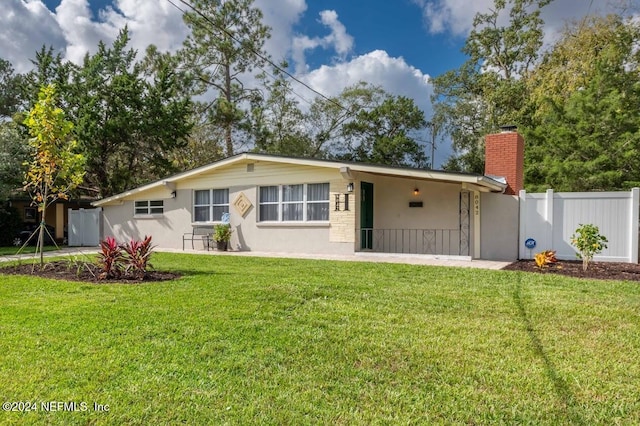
294 203
318 201
269 203
149 207
210 204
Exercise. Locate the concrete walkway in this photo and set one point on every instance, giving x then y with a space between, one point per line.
414 259
64 251
357 257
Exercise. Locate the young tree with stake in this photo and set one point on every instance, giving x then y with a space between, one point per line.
54 168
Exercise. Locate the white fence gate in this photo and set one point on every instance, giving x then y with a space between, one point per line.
551 218
84 227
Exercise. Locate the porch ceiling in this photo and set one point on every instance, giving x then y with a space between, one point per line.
468 181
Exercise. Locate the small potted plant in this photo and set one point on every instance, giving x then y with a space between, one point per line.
222 235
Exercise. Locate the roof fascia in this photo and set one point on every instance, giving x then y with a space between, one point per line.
481 181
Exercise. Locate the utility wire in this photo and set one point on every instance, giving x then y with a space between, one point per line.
347 111
257 53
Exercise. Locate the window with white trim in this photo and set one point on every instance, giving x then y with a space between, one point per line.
294 203
210 204
145 207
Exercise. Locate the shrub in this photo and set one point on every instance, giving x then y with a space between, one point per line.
138 254
545 258
111 259
589 242
222 232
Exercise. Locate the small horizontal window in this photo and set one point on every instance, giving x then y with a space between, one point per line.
149 207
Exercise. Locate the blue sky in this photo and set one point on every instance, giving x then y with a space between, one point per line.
329 44
395 26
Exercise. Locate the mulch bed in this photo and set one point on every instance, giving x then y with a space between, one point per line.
596 270
83 272
87 272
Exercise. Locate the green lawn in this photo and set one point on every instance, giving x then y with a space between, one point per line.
277 341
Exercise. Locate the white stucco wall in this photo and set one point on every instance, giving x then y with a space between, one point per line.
391 203
249 234
340 235
499 226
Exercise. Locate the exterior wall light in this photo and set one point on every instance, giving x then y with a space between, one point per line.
350 187
416 191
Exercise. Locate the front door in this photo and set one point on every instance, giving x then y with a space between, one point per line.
366 215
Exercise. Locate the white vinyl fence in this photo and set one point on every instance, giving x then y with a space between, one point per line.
551 218
84 227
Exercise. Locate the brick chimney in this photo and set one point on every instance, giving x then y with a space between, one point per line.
504 157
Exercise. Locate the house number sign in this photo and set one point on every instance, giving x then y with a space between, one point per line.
476 204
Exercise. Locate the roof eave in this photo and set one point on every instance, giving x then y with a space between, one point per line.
475 182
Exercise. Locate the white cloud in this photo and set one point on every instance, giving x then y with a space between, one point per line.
451 16
377 67
148 21
455 17
81 32
73 30
24 28
155 22
281 16
338 39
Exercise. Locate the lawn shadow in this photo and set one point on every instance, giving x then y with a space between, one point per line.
561 387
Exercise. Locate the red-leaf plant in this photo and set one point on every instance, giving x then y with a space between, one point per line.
138 254
111 259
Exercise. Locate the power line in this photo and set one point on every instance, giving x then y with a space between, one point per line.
257 53
347 112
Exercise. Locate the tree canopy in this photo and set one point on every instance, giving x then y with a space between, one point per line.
489 90
585 133
226 43
575 103
9 90
130 117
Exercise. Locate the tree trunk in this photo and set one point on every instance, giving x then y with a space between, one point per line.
42 224
229 121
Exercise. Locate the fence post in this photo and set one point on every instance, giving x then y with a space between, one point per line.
635 216
549 220
522 225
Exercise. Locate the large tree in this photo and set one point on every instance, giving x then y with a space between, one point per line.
278 123
384 134
9 89
14 152
48 68
363 123
585 96
131 116
489 89
225 44
327 119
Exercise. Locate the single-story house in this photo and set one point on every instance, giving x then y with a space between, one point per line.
282 204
